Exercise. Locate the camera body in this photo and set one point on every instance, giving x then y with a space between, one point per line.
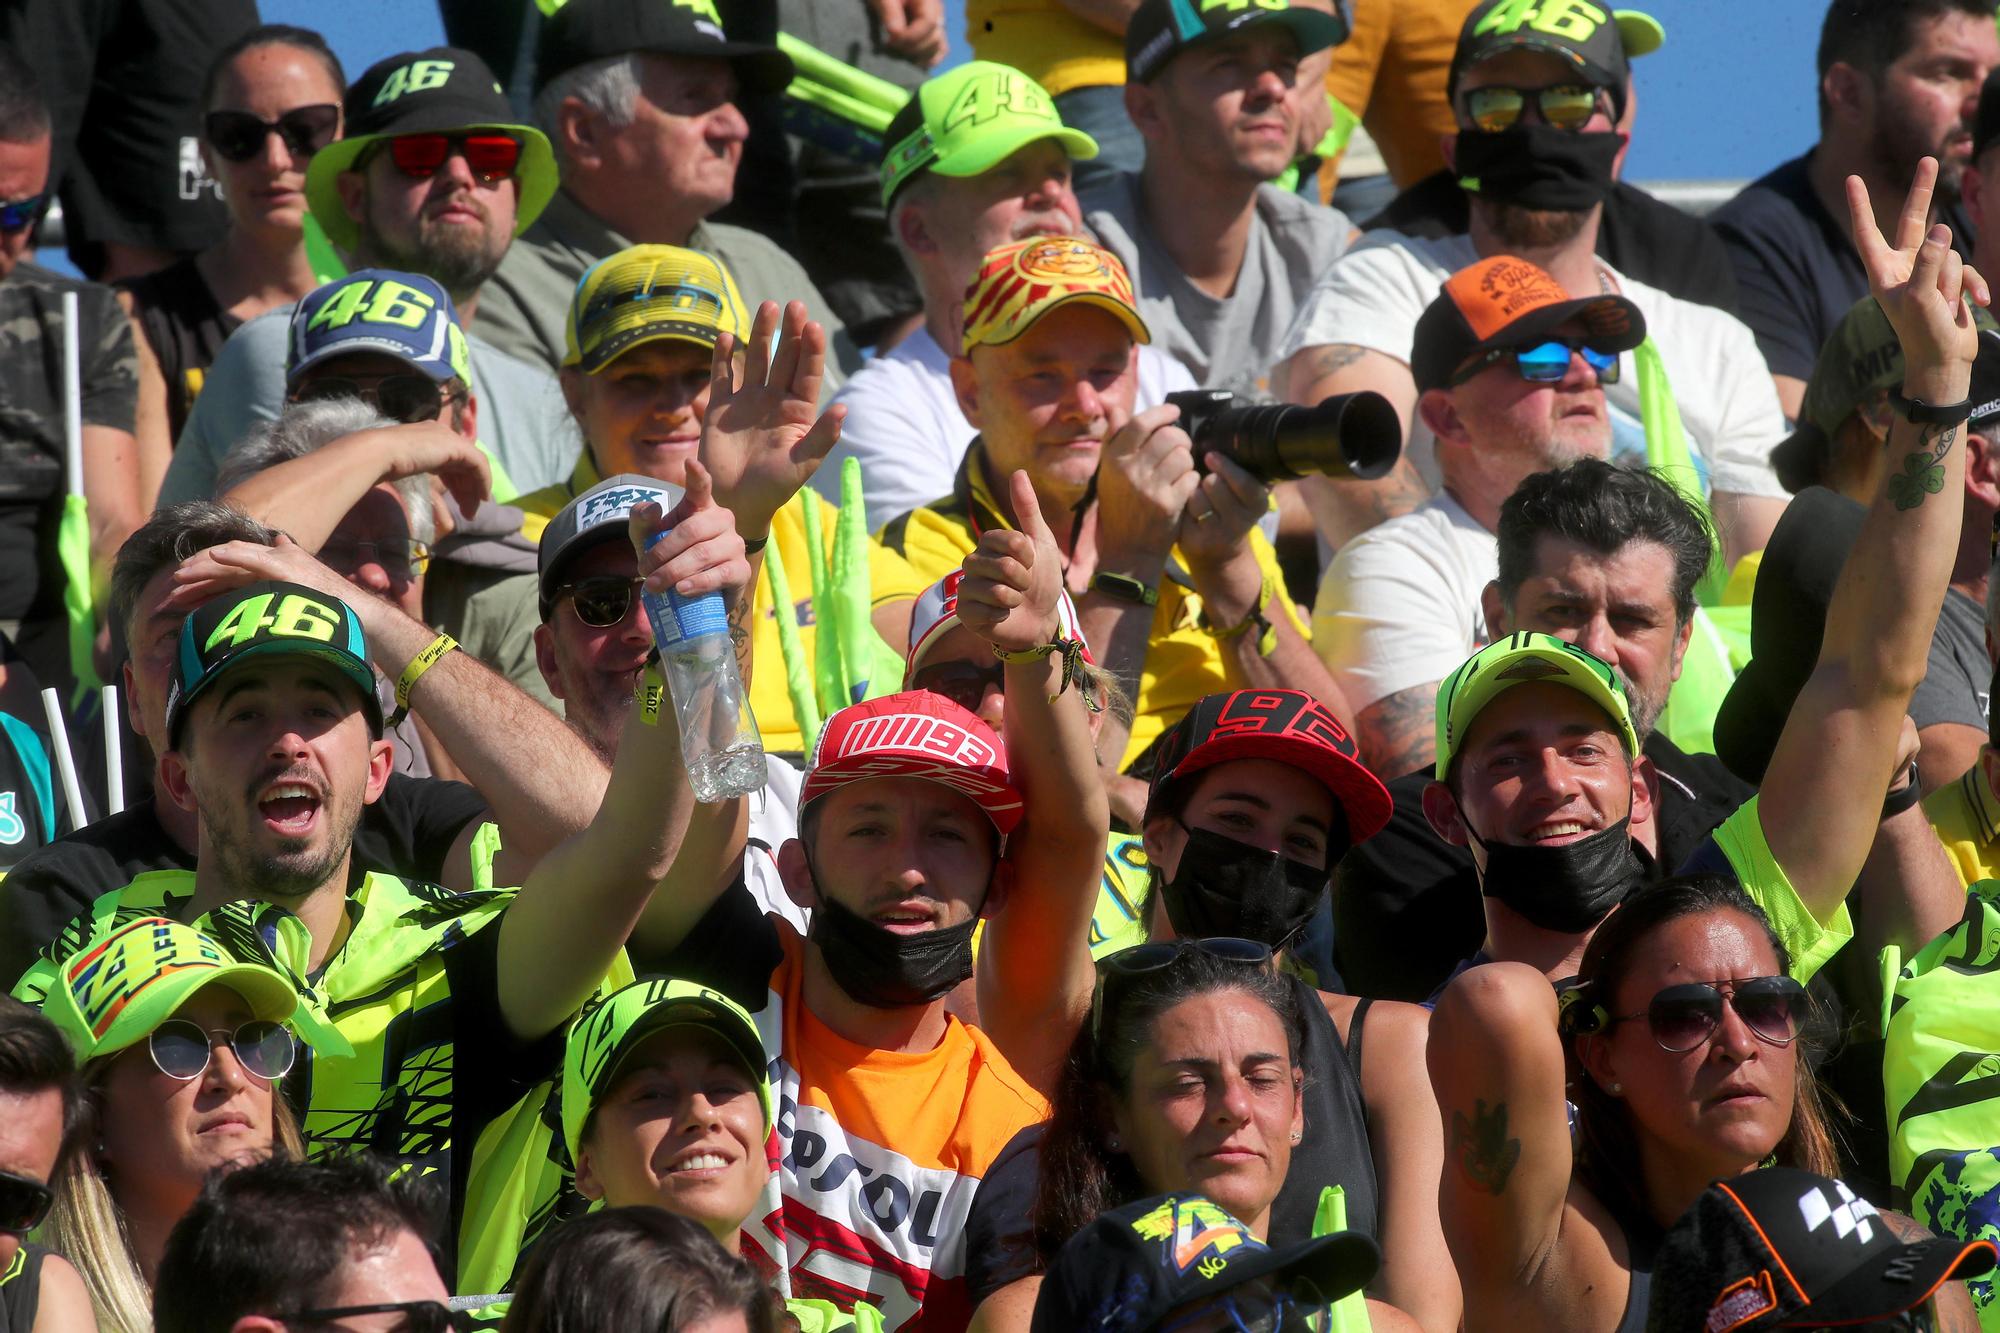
1348 435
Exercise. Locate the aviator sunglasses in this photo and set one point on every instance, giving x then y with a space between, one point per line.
1546 362
490 157
182 1049
1566 106
1684 1017
238 136
601 600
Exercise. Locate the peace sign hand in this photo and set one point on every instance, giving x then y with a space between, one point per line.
1923 286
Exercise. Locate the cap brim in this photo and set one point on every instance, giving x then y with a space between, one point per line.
1921 1268
932 636
760 70
990 150
357 673
362 343
1000 800
270 997
1363 799
1603 316
1471 702
1748 723
535 174
673 1013
1321 1270
1640 32
616 344
1110 305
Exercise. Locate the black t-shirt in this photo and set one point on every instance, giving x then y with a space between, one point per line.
407 832
1406 903
1647 240
28 801
185 326
1796 272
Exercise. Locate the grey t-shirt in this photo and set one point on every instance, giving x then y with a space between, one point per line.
1957 681
522 419
1228 342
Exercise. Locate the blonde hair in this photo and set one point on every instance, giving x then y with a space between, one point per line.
87 1227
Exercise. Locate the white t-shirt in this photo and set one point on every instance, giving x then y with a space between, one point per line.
1374 294
1399 605
904 424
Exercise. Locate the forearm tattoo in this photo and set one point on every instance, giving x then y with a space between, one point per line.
1923 468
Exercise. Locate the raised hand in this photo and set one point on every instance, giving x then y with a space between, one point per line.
431 446
1014 580
764 437
214 570
1923 286
702 551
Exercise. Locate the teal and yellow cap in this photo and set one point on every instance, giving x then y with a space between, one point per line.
1521 659
969 120
267 619
646 294
605 1035
135 974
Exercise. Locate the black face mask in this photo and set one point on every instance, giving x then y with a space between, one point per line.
1538 166
1224 887
1566 889
886 970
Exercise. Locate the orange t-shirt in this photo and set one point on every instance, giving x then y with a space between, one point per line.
879 1154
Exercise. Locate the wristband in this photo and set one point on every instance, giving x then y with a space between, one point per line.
649 691
1919 413
1267 637
1125 588
414 672
752 548
1896 802
1071 651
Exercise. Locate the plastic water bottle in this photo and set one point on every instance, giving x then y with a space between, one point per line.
719 739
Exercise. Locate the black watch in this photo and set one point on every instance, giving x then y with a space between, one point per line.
1125 588
1919 413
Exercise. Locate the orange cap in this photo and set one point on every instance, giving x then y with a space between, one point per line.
1506 300
1022 281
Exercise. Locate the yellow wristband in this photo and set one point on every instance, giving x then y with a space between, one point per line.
1267 635
649 691
414 672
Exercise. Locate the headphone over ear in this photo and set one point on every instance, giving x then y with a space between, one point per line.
1581 1013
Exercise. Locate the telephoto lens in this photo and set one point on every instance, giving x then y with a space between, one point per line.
1354 435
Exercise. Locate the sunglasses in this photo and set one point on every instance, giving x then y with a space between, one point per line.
399 559
1566 106
181 1049
17 215
23 1203
238 136
1117 972
964 683
1684 1017
418 1316
490 157
601 600
1546 362
405 398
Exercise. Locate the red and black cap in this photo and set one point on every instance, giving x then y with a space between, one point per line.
1507 302
915 734
1781 1248
1288 726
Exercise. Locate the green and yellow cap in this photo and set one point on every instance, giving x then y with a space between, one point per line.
1520 659
650 293
969 120
603 1036
135 974
268 618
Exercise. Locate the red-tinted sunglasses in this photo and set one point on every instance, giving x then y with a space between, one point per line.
490 157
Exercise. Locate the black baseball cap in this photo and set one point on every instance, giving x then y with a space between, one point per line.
598 515
1782 1248
267 619
1133 1266
441 90
1505 301
587 30
1598 43
1161 29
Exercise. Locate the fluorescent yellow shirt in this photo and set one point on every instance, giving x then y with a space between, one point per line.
1183 661
1966 817
1043 40
890 579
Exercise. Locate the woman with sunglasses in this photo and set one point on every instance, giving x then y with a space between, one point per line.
271 100
181 1049
1683 1026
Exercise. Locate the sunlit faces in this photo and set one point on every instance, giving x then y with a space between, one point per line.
908 854
1027 194
447 225
1227 108
1729 1100
1926 100
680 1128
1540 766
1619 607
643 412
1046 402
364 547
686 135
592 668
277 759
161 1136
1258 802
266 82
24 173
1498 415
31 1127
1528 70
1213 1103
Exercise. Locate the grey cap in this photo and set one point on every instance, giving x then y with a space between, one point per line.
598 515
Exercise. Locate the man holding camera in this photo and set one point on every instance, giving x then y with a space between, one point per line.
1179 593
1510 374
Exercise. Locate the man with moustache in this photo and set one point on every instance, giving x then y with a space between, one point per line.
956 188
1899 80
1535 172
433 179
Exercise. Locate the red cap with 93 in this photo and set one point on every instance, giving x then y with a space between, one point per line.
916 734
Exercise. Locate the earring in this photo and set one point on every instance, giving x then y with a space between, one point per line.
1617 1089
1112 1143
1297 1135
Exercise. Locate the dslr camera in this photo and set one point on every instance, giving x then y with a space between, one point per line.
1348 435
